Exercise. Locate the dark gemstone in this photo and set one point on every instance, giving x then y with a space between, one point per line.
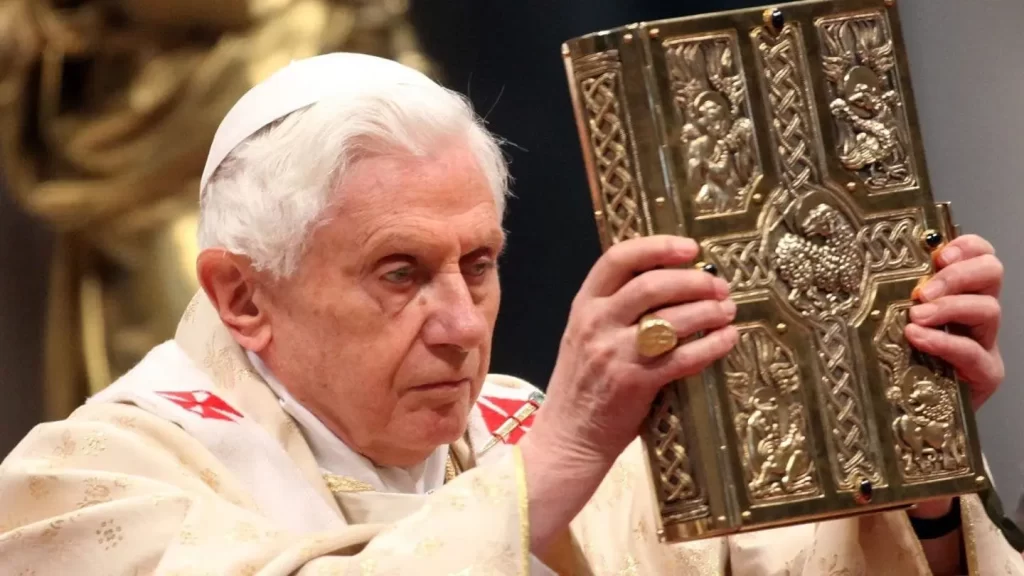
865 490
778 19
710 269
933 239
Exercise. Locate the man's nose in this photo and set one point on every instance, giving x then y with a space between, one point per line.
454 319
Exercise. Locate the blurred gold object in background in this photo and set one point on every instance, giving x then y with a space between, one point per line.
107 110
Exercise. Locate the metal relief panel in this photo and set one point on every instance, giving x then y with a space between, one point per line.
621 202
717 135
866 103
770 417
926 412
781 142
809 238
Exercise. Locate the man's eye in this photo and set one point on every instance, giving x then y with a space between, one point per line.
399 275
479 268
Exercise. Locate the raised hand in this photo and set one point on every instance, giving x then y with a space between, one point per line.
965 293
602 387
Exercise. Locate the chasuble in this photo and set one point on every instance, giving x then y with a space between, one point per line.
193 464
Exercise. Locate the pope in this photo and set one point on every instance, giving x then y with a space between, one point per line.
326 406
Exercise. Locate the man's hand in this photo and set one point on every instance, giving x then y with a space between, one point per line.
963 293
602 388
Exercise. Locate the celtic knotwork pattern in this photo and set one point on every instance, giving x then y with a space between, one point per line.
853 447
782 66
893 245
741 264
682 498
826 288
927 427
770 417
600 79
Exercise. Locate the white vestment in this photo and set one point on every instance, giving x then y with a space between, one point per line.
195 463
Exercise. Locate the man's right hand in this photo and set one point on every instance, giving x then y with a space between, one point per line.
602 388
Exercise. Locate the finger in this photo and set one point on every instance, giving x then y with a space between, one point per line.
963 248
692 357
978 275
706 315
980 314
660 288
982 369
626 259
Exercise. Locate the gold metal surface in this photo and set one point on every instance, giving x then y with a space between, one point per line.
785 141
107 110
655 337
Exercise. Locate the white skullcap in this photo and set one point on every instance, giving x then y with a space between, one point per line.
301 84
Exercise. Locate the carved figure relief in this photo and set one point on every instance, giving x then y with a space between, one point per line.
600 82
717 136
825 273
928 435
859 63
770 417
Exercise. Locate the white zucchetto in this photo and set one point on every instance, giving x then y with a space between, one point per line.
299 85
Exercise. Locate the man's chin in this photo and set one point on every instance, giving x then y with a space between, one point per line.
437 429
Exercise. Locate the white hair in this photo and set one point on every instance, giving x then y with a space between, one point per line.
271 191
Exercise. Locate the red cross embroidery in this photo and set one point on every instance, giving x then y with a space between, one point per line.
497 410
207 405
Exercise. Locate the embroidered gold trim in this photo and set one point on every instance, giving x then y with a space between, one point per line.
969 531
524 507
451 467
343 484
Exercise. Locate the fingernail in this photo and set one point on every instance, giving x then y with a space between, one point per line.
922 312
948 255
915 294
729 309
721 288
933 289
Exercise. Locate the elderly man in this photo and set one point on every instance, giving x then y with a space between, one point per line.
326 407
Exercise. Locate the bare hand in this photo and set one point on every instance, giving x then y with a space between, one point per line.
602 388
965 293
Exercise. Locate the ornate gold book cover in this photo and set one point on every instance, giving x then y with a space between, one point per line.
785 141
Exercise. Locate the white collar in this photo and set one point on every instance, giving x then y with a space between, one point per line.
335 457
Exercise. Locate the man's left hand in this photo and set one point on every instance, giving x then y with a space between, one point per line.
963 293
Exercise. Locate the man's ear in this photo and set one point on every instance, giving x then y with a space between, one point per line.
232 285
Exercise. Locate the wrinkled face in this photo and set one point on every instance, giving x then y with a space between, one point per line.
385 330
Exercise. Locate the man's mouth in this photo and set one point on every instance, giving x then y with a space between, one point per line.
443 385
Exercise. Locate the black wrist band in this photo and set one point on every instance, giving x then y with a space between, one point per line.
932 528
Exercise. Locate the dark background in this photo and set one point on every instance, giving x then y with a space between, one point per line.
506 56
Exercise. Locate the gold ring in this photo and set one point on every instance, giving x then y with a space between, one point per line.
655 336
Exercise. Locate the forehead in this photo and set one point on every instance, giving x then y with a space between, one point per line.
443 194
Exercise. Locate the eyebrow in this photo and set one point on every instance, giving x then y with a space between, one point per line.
398 242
